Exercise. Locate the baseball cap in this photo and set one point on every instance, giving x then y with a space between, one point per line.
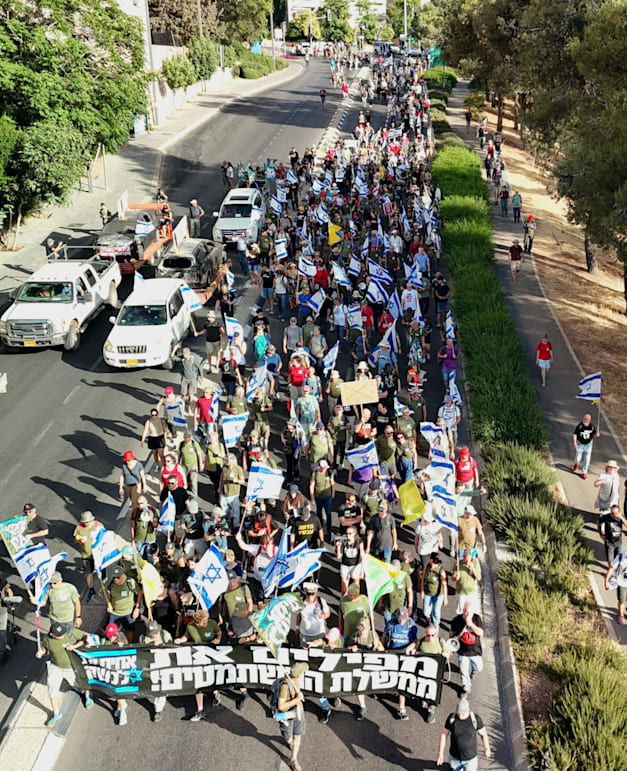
168 390
187 350
353 589
57 630
187 435
335 373
294 489
293 318
323 464
192 506
299 668
464 451
117 571
56 577
375 484
402 613
319 424
310 586
217 512
396 564
153 627
309 318
28 507
470 509
111 631
87 516
231 575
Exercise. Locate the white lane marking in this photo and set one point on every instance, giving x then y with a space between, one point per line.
42 434
6 478
71 394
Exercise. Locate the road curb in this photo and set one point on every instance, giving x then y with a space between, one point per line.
293 71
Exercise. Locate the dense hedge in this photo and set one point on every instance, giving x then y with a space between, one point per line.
245 64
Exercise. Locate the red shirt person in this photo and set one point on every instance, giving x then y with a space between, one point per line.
466 471
544 357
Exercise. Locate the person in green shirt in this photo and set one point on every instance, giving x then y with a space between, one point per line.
58 644
320 446
407 425
261 407
215 456
83 534
401 595
338 426
124 601
431 643
308 330
353 607
144 524
202 630
231 481
64 602
191 458
237 404
467 578
386 450
321 492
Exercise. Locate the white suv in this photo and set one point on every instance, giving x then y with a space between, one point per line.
242 211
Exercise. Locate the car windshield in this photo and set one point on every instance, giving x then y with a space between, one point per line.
230 210
46 292
142 316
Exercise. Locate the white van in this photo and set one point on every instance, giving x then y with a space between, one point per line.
242 211
153 318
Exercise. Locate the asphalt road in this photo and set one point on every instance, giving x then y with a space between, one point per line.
68 419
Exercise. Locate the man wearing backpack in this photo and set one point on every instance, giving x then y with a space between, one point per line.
463 726
192 460
290 715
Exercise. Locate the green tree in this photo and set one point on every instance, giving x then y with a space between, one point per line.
179 19
335 24
203 54
243 20
304 24
395 17
179 71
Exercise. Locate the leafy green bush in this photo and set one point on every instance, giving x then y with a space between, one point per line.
477 84
587 717
203 53
458 171
447 80
179 71
511 469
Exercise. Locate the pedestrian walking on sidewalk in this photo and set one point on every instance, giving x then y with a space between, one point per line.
515 258
195 213
611 532
529 230
583 438
616 577
607 484
516 205
463 726
104 213
468 117
504 198
544 357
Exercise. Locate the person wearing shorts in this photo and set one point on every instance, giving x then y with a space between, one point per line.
617 576
441 294
544 357
83 535
291 700
215 335
351 556
515 258
153 436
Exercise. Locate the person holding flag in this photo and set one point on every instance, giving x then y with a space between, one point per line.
83 534
63 602
583 438
124 598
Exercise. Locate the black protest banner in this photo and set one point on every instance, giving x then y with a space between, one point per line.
171 670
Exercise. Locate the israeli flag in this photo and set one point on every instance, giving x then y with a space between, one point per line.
450 326
138 280
340 174
386 244
438 194
364 248
434 436
42 579
232 326
291 178
454 392
340 277
363 457
317 186
328 178
214 410
315 302
190 298
398 407
264 482
354 266
230 280
277 567
405 223
442 475
167 515
306 267
353 228
415 276
328 362
363 189
104 549
354 317
445 514
376 294
29 560
418 315
395 305
379 273
281 194
210 578
256 213
232 427
441 493
276 205
257 381
281 248
301 562
322 215
590 387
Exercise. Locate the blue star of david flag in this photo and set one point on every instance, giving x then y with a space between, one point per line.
306 267
292 179
104 549
328 362
450 326
257 381
277 567
322 215
354 317
276 205
364 248
167 515
353 227
328 178
354 266
363 457
209 580
340 277
405 223
590 388
29 560
317 186
340 173
301 563
395 305
281 248
281 194
376 293
379 273
42 579
264 482
415 276
315 302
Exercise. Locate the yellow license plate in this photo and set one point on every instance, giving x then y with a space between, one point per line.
29 342
131 362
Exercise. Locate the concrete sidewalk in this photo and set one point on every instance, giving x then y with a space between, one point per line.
135 168
534 316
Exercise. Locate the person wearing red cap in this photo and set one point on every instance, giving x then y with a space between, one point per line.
114 635
132 480
529 230
466 470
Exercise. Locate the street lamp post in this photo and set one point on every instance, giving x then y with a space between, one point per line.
272 36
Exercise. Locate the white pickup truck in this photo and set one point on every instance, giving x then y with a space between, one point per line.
57 303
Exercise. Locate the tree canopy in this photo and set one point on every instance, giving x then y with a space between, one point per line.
335 24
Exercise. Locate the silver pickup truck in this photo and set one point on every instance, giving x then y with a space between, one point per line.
57 303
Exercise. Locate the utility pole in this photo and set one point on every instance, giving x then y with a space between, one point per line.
404 22
199 18
272 36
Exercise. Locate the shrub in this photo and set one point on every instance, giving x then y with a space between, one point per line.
458 171
511 469
204 55
179 71
446 80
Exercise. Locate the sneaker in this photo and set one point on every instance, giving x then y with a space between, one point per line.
89 702
54 719
361 714
90 595
402 715
575 467
197 717
584 476
215 699
242 702
431 714
123 718
621 619
337 702
324 718
116 713
156 718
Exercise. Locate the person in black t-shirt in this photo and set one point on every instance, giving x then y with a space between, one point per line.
179 494
307 528
611 532
215 336
463 726
583 437
467 627
36 525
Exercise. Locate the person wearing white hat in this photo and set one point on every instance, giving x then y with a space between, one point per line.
607 485
428 538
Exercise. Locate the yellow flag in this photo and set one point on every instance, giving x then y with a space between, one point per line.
151 583
412 504
335 234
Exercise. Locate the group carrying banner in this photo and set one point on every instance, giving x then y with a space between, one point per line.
173 670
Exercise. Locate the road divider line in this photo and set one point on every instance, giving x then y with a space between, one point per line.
43 433
71 394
